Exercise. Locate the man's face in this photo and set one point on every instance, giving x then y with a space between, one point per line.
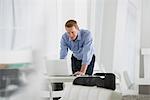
72 32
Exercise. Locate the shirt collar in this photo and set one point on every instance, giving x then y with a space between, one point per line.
78 38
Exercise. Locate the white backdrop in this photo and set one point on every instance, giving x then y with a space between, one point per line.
39 24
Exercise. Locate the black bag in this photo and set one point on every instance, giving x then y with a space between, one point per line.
104 80
109 80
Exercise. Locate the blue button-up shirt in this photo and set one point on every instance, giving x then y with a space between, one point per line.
82 47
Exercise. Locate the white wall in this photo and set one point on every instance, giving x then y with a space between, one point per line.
119 36
6 24
108 34
145 30
127 41
96 24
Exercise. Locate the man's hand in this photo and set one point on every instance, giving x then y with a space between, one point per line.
78 73
82 70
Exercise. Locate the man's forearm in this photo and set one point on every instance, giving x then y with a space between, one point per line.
83 68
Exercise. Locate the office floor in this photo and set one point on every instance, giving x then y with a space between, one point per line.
127 97
136 97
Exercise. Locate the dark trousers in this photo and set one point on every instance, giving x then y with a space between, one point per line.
76 65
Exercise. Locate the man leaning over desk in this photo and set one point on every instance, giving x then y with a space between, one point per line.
80 42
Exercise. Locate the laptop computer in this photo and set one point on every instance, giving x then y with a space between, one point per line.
57 67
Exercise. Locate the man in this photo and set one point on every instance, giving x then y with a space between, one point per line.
80 42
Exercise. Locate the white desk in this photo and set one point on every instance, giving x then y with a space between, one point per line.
58 79
67 79
63 78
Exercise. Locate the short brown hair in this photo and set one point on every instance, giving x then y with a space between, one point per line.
71 23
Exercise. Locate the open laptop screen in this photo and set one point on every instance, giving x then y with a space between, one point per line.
57 67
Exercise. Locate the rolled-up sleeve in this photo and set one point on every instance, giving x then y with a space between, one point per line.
63 48
87 49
